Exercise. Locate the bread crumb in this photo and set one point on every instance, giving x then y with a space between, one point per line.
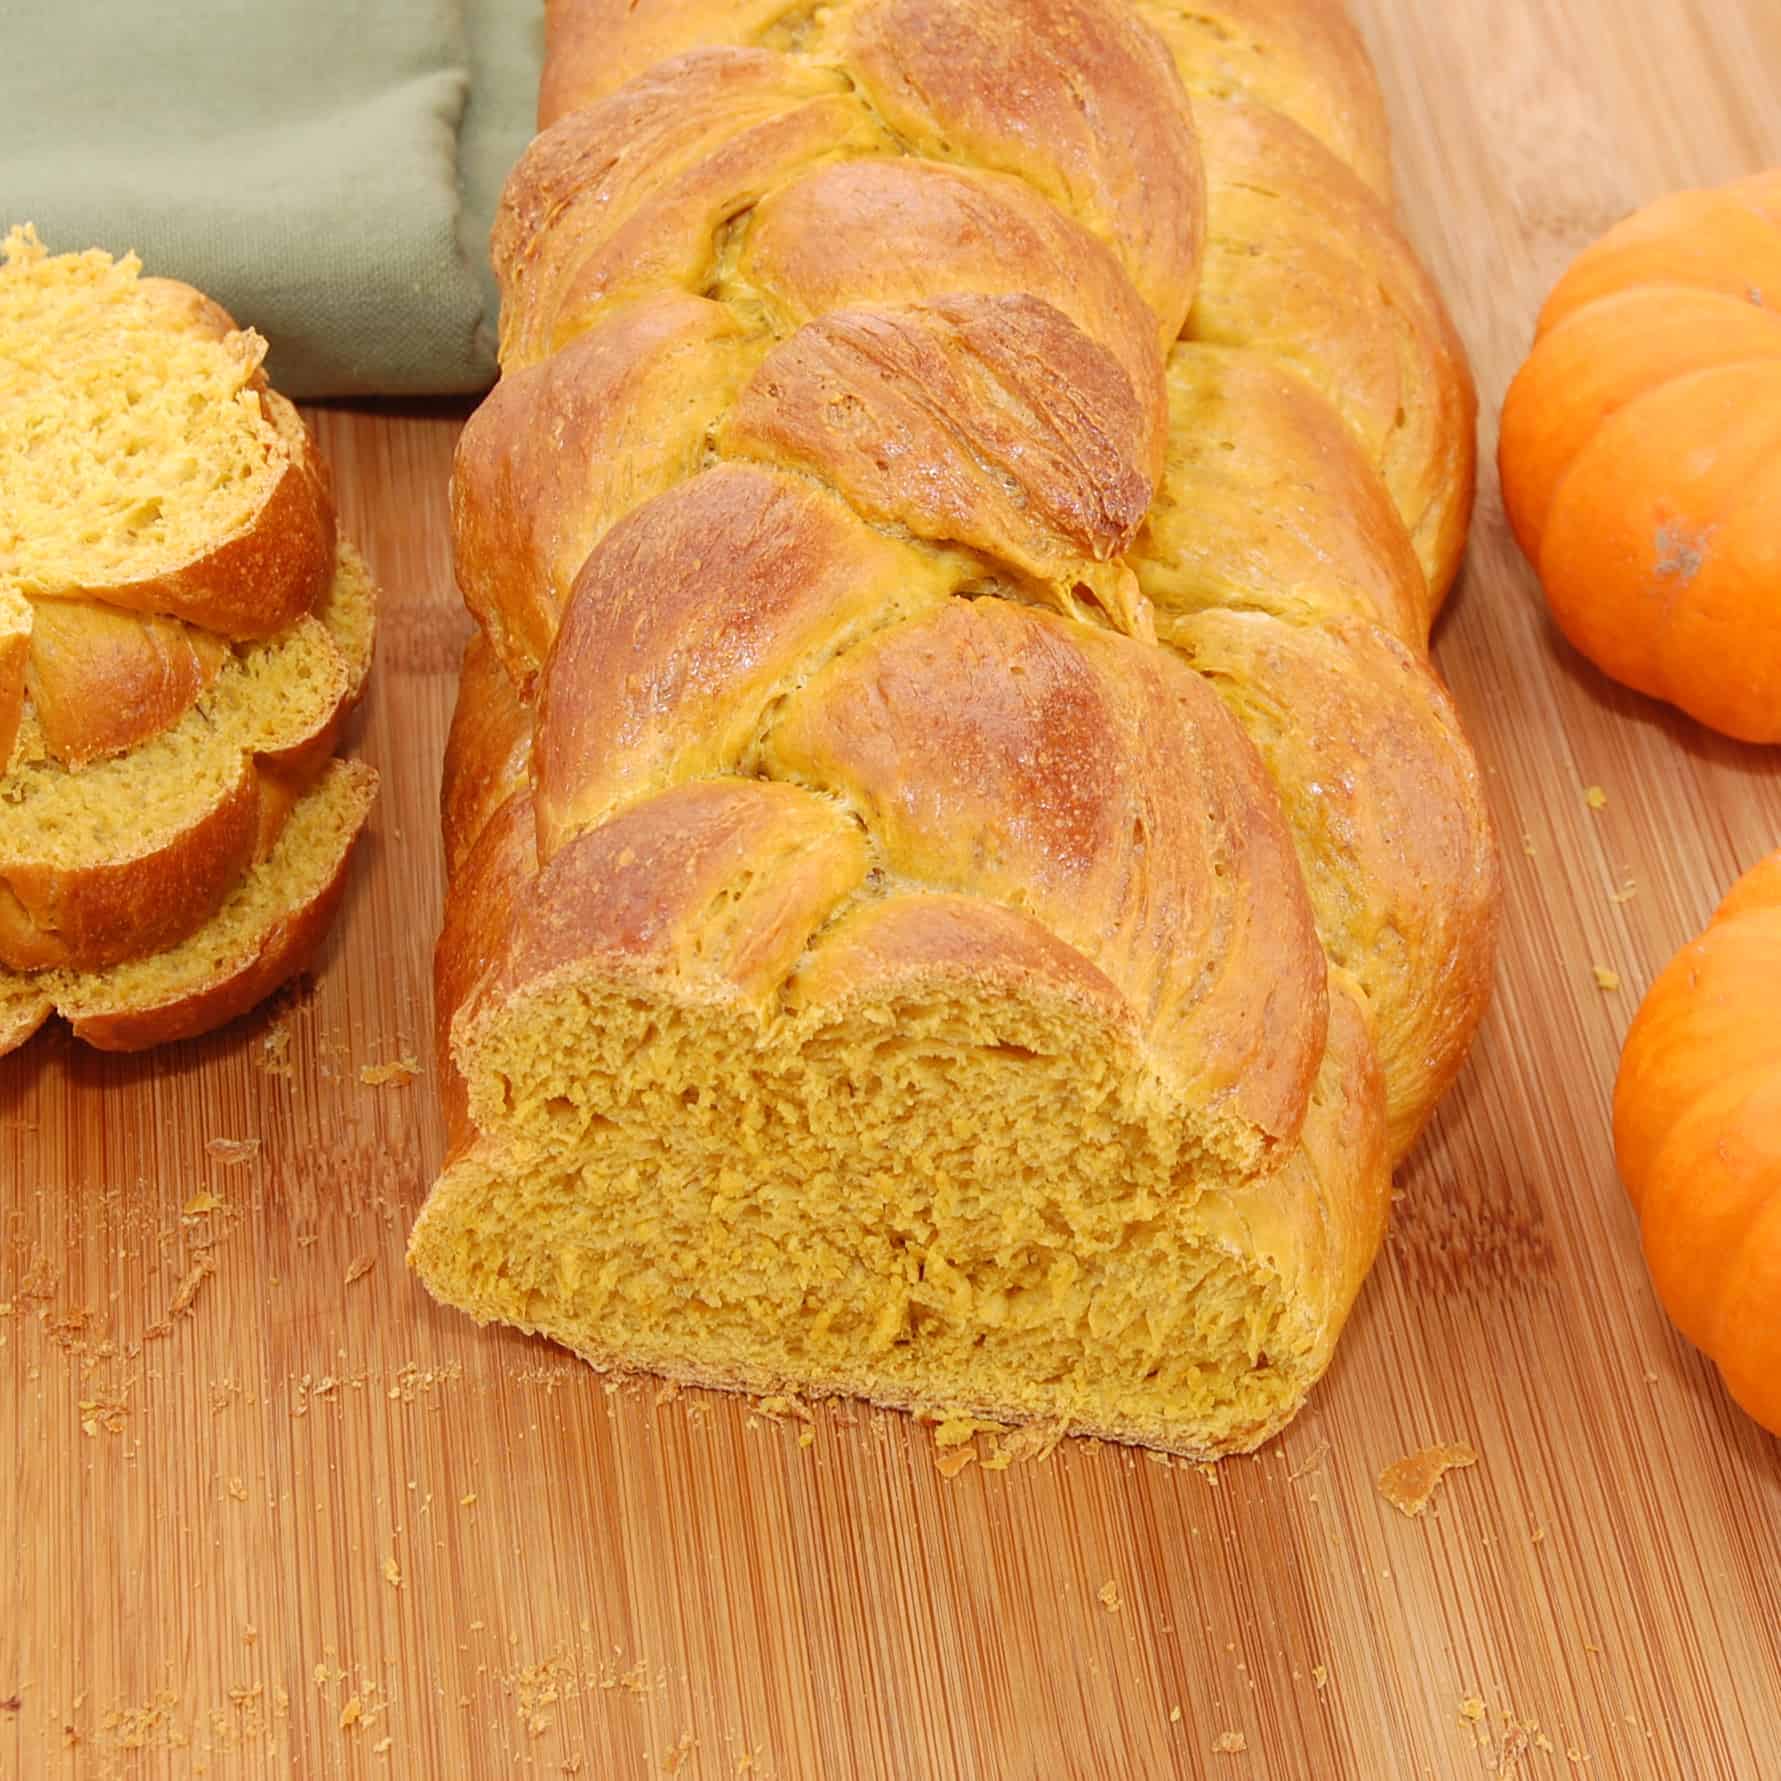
1109 1596
955 1431
392 1572
185 1294
230 1151
202 1202
950 1461
1527 845
108 1413
1475 1720
1605 979
1321 1676
1595 797
1408 1483
675 1760
359 1267
467 1500
806 1437
1033 1441
136 1728
398 1073
238 1489
1308 1465
274 1055
1174 1715
1625 894
352 1713
1229 1744
778 1408
382 1746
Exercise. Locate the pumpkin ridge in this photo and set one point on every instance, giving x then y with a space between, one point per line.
1581 364
1633 513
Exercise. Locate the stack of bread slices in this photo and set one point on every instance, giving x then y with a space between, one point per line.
182 633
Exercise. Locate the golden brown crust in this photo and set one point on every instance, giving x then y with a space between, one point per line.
223 970
991 422
1078 97
1386 806
1267 503
627 197
594 47
721 589
87 917
488 754
929 943
1300 253
712 889
889 232
102 680
563 448
1301 58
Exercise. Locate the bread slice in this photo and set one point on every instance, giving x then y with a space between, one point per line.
131 853
145 462
266 930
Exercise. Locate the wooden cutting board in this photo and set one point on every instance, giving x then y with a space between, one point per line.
320 1528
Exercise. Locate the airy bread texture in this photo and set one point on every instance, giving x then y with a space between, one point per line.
266 931
181 637
144 460
129 853
963 879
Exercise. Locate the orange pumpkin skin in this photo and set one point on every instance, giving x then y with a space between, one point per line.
1640 454
1697 1133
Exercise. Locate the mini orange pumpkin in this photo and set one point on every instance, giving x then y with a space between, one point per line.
1640 454
1697 1130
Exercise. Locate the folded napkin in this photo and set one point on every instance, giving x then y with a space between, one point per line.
326 169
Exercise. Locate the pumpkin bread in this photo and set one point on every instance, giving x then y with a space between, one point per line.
181 636
962 877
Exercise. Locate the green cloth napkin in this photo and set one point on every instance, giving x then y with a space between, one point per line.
326 169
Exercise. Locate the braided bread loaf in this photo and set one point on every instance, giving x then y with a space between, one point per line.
962 876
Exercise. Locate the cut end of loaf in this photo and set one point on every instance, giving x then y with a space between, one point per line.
962 1190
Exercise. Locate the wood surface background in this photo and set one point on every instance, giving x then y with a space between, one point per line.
320 1528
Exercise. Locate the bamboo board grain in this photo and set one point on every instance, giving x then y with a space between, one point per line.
322 1529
